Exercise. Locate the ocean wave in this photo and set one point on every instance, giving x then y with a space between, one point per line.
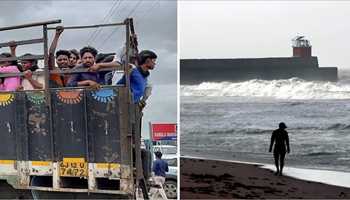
344 158
338 126
251 131
321 153
296 103
335 126
221 132
293 88
248 131
259 131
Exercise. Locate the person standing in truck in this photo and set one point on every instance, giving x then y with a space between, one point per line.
9 83
62 60
280 138
31 81
28 66
146 61
73 58
140 65
91 79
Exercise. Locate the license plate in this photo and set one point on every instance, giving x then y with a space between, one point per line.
73 167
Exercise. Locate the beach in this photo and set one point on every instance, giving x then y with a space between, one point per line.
219 179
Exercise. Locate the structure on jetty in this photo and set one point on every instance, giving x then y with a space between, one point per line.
302 65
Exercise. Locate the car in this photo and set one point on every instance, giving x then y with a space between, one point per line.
170 185
165 149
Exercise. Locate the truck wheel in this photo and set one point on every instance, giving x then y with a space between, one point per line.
170 188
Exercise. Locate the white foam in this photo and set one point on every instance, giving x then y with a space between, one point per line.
323 176
293 88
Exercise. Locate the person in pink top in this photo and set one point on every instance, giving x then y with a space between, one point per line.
9 83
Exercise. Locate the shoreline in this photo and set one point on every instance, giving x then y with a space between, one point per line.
265 159
301 173
212 179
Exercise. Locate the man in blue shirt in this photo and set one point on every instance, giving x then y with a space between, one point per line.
160 167
138 77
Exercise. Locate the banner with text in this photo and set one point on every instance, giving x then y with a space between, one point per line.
164 131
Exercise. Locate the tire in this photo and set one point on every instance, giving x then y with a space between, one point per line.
170 188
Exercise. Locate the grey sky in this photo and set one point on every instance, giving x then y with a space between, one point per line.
155 24
233 29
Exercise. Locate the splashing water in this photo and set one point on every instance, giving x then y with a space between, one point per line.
293 88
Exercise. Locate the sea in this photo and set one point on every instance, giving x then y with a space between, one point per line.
234 121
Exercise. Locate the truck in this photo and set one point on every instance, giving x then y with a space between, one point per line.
71 140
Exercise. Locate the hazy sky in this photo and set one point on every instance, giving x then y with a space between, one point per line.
234 29
155 25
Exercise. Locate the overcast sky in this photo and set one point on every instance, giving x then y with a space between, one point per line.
233 29
155 25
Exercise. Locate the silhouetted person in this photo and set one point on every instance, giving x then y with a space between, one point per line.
281 140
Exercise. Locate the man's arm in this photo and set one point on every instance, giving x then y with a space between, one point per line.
59 30
73 80
287 142
98 66
166 167
272 141
137 88
13 47
36 84
86 83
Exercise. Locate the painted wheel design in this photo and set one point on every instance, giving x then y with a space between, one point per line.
103 95
36 97
69 96
6 98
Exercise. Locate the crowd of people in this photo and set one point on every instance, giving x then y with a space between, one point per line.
87 58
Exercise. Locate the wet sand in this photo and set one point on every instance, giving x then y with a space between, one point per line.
210 179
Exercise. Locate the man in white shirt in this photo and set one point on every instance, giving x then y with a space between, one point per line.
31 81
28 66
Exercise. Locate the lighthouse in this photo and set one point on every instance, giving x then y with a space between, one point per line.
301 47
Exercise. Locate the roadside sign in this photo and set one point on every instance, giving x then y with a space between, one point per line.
163 131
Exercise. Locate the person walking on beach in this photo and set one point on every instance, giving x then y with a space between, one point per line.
280 138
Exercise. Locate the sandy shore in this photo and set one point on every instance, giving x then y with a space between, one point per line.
210 179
